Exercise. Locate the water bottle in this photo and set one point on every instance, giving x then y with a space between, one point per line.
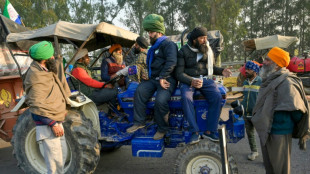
201 79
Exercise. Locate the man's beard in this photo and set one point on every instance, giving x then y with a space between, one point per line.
153 39
203 48
136 50
249 76
118 58
51 65
266 70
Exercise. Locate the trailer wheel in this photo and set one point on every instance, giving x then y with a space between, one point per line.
82 144
204 157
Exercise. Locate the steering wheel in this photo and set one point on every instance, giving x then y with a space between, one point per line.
113 80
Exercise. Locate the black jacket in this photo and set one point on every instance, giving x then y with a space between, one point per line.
188 67
165 60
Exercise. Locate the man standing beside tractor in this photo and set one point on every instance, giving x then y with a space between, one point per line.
251 86
161 60
47 98
281 112
195 60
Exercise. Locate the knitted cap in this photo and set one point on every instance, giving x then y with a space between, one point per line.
279 56
154 22
114 47
42 50
197 32
142 42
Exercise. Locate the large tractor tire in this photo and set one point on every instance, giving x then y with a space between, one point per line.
203 157
82 144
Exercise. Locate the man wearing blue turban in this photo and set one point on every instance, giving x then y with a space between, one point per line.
250 91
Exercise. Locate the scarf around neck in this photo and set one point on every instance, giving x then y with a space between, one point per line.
151 52
210 57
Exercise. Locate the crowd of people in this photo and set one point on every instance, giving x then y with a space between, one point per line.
274 102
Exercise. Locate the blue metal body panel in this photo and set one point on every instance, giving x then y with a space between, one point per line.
147 147
113 129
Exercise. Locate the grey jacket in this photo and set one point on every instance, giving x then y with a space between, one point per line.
281 91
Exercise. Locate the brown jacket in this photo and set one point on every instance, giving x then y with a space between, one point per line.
281 91
46 94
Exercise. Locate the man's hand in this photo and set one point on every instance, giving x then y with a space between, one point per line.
226 72
113 75
196 83
58 130
109 85
164 83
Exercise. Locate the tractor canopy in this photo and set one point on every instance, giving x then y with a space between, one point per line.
90 36
96 35
269 42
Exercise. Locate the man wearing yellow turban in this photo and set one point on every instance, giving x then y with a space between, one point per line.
281 112
47 98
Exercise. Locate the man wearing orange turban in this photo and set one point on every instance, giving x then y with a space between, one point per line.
112 64
281 112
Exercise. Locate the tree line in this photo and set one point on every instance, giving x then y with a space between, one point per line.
238 20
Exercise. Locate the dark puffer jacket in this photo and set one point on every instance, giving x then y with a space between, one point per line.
165 60
188 67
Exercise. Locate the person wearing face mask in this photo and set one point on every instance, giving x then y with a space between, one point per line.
196 59
251 86
138 57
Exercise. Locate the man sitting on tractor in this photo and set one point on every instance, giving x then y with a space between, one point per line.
195 59
112 64
138 57
161 60
92 88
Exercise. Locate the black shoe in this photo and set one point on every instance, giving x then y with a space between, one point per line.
211 136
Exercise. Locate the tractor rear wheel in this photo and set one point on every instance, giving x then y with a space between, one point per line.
82 144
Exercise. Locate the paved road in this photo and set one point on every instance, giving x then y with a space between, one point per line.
121 161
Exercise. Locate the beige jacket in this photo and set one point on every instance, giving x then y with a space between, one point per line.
46 93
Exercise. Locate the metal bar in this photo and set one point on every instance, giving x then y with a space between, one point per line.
81 47
70 42
57 48
19 70
98 58
223 146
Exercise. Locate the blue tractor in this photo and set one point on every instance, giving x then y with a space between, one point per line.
90 128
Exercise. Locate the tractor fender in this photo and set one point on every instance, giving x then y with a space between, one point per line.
89 108
91 112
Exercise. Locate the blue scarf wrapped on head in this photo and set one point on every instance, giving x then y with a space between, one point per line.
151 52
